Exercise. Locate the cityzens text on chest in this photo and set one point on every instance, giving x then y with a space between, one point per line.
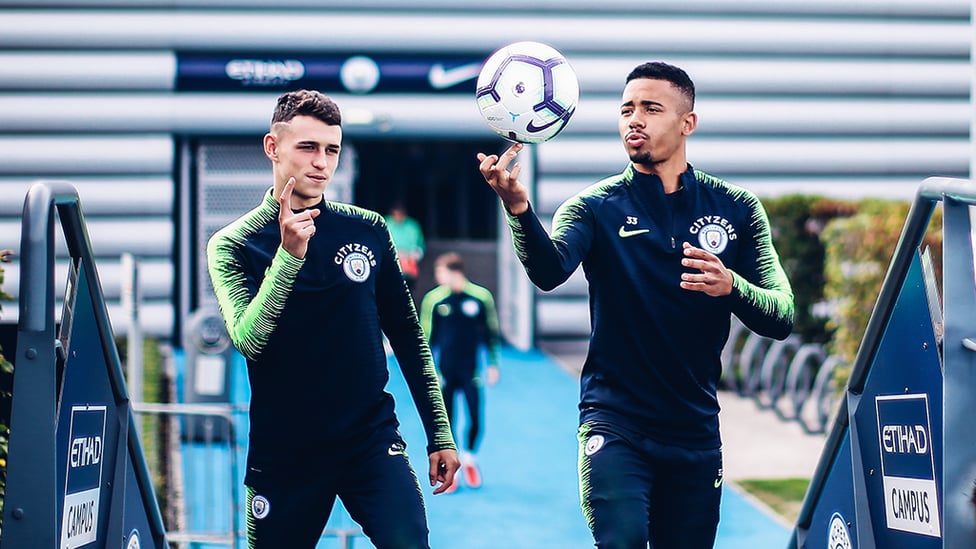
352 247
706 220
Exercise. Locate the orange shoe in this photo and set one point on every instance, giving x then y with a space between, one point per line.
472 476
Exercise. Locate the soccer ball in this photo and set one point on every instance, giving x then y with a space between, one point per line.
527 92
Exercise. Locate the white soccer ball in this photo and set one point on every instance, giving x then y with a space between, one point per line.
527 92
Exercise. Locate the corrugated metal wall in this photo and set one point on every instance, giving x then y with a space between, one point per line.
848 98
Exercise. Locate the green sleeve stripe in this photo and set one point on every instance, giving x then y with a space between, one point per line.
249 322
772 295
491 317
427 305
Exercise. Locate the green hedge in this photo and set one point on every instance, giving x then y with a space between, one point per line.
859 250
836 254
797 222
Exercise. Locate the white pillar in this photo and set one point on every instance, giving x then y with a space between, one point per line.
130 304
516 294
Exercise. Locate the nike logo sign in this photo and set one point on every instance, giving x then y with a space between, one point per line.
718 481
441 78
624 233
532 128
396 450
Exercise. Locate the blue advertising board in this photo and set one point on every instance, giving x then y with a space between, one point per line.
98 491
327 73
898 428
911 500
834 520
83 476
883 486
76 474
903 431
88 429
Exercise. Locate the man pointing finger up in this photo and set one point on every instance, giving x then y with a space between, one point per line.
308 288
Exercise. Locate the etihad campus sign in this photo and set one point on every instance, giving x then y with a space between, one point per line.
82 488
907 464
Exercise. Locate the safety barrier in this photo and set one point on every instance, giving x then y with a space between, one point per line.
203 491
206 444
76 472
897 467
789 377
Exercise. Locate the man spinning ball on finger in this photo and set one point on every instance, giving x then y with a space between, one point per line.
670 253
307 288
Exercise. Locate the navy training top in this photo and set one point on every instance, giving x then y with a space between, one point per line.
654 359
458 324
312 332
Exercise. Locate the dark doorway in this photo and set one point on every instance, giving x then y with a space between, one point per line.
437 180
439 183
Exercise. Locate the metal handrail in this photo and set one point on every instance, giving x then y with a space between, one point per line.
931 191
35 518
344 535
226 412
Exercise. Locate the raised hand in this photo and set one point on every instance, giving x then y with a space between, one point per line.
505 183
296 228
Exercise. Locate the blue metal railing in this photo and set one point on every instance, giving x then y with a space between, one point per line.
957 196
32 493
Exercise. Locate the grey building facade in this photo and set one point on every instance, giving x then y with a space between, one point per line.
154 111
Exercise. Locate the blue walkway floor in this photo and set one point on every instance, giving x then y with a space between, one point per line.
528 459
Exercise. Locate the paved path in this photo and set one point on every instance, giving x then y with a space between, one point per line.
759 445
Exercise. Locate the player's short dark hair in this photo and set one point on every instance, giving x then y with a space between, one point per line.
451 261
658 70
306 103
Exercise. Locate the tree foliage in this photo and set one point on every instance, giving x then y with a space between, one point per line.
859 249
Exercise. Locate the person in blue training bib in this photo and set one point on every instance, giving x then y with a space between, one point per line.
308 288
460 320
670 253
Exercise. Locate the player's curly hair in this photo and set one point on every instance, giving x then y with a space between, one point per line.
658 70
306 103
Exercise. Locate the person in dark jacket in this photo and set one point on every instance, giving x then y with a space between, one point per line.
461 323
670 253
307 289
